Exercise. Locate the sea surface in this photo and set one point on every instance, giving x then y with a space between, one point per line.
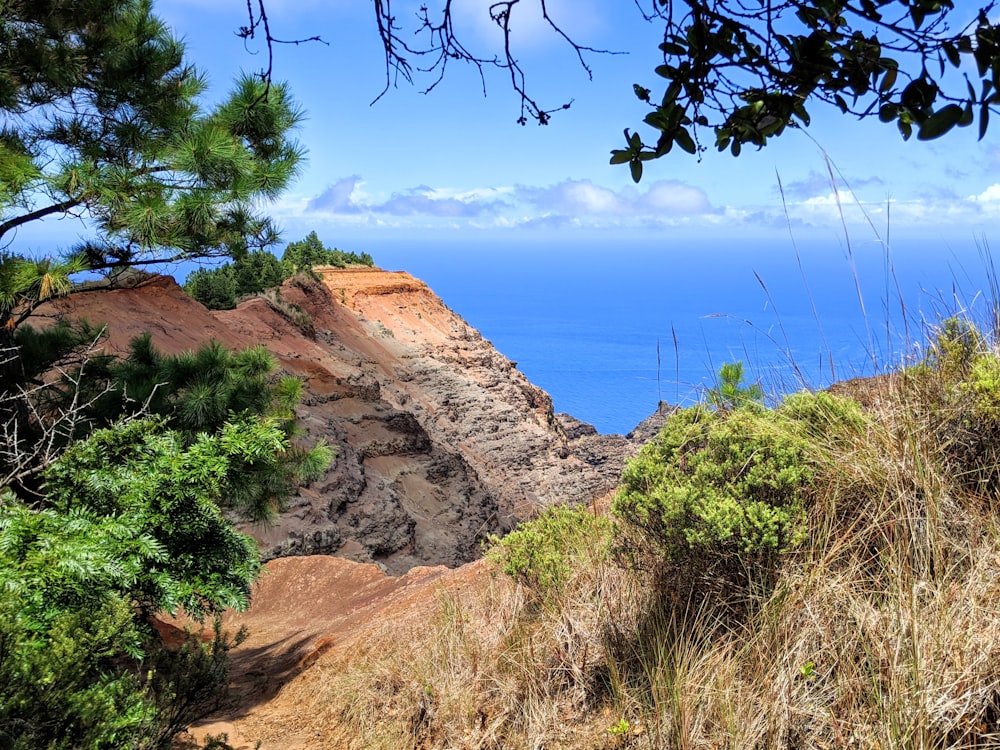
611 327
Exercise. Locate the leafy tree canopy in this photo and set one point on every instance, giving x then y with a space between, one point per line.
101 121
737 73
741 72
101 528
116 476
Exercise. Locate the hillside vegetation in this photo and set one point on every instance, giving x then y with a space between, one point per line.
818 574
222 287
118 487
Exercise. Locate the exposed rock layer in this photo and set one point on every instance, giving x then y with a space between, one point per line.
440 440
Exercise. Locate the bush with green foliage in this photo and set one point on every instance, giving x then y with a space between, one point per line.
153 499
112 512
215 288
823 418
956 346
67 682
730 392
98 529
221 288
543 553
131 525
960 380
194 393
60 683
715 498
209 390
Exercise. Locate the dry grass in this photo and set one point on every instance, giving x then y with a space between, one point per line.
883 630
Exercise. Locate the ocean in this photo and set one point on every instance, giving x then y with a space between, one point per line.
611 327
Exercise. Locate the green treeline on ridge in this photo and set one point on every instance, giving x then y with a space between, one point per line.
222 287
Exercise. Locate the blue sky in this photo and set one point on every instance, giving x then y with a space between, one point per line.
455 164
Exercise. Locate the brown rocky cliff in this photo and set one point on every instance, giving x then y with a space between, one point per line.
440 440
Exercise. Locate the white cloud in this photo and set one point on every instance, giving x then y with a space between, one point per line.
579 203
585 205
989 195
676 198
582 198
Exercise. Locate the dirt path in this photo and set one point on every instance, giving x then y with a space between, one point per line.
303 608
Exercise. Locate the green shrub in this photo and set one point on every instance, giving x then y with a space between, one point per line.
215 288
956 391
543 553
823 417
984 385
968 423
221 288
712 501
955 347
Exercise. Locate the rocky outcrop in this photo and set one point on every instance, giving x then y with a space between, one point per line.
440 440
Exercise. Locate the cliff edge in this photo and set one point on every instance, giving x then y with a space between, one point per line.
440 440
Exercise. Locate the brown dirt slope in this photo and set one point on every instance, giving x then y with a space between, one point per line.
305 611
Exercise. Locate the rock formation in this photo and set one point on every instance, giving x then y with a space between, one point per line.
440 440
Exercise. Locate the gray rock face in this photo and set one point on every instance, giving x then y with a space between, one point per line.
650 427
440 440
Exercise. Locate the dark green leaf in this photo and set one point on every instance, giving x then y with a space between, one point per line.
685 141
669 48
800 111
967 116
940 122
671 93
983 60
952 52
620 157
888 80
656 119
984 120
636 168
888 112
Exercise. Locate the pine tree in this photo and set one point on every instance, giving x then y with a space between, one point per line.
102 120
